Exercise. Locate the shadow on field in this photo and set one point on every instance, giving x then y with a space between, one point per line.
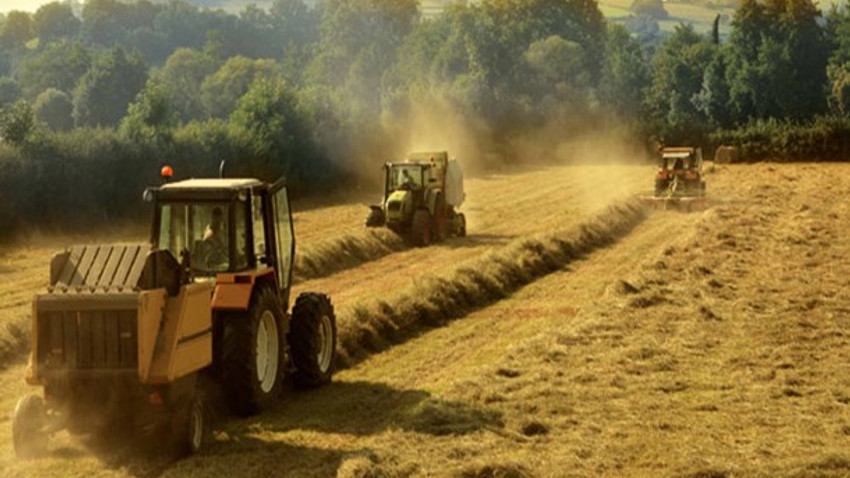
261 444
245 454
366 408
476 240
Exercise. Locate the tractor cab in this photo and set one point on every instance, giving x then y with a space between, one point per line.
230 230
406 176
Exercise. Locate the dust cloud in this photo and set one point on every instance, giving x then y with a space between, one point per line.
436 124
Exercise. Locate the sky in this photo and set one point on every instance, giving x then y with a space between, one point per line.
25 5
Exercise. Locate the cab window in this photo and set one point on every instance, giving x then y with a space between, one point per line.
406 177
200 229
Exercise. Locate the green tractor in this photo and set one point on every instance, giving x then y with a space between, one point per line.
420 199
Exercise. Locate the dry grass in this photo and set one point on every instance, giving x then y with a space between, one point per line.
376 325
735 365
698 345
344 252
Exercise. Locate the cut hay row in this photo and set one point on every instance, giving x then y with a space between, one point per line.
14 340
375 325
344 252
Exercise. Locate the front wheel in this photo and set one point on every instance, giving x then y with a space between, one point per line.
28 435
250 355
312 339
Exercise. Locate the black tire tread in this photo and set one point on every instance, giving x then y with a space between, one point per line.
308 308
421 222
238 362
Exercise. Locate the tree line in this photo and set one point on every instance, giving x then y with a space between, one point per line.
92 102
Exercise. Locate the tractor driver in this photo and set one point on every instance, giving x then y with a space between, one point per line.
406 179
214 238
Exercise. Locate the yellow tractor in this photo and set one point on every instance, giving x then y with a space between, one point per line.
421 197
123 332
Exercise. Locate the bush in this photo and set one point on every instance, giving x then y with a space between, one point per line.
826 138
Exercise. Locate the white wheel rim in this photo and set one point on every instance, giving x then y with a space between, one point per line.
197 428
326 343
267 351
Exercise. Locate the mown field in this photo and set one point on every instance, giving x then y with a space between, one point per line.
572 333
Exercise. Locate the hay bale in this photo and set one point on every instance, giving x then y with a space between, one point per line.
727 155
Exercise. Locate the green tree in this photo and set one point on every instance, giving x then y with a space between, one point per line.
713 99
60 65
16 122
182 75
150 118
107 88
359 39
297 25
839 95
184 25
102 21
10 91
838 68
221 90
16 30
280 137
55 109
838 36
679 67
200 146
55 20
778 56
625 75
643 27
804 39
559 78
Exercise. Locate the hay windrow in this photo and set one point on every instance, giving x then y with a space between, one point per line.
14 340
344 252
374 325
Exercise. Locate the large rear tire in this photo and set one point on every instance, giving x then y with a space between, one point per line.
250 355
420 230
312 339
28 435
